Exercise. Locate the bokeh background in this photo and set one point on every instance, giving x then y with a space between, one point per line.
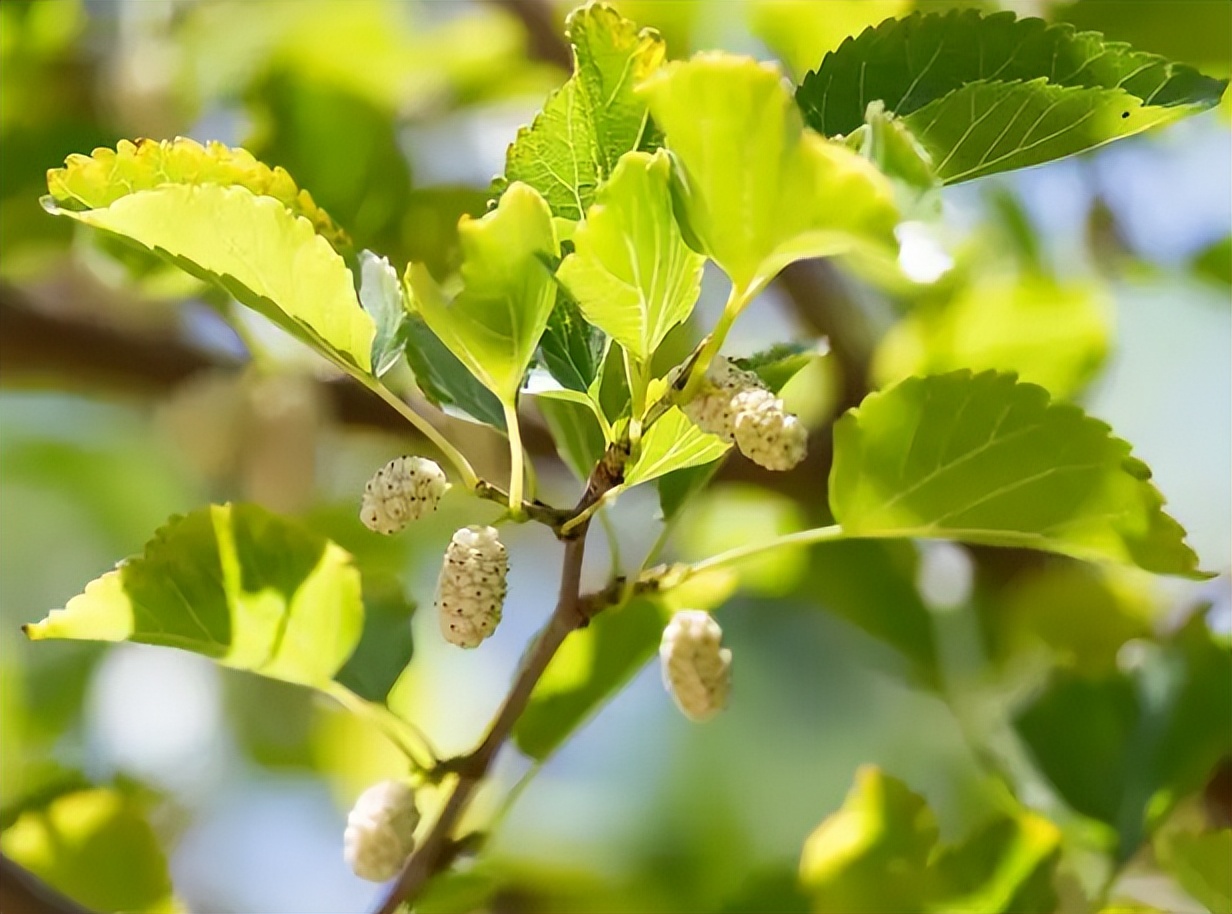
125 398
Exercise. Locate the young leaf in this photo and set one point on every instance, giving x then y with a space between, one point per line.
1052 334
673 443
380 293
299 281
98 180
235 583
756 190
631 272
571 349
986 459
998 76
444 380
97 847
588 669
594 118
494 324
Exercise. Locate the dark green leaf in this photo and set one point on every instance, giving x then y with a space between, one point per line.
444 380
781 362
588 669
910 63
678 486
576 431
590 122
571 349
385 645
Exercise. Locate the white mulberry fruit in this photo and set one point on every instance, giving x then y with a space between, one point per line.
711 409
403 490
380 831
471 589
765 432
696 671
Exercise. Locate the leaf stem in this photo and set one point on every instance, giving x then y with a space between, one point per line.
736 300
800 538
517 471
398 731
470 478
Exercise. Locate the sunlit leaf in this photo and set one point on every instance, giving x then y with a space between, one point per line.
631 272
986 94
590 667
495 322
986 459
590 122
1049 333
673 443
756 190
232 582
100 179
214 232
96 847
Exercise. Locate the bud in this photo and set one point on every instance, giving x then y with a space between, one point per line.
765 432
711 409
380 831
471 588
403 490
696 670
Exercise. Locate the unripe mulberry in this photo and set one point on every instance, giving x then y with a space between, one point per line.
380 831
765 432
471 589
403 490
696 670
711 409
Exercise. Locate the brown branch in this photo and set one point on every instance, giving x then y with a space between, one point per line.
571 613
544 39
21 892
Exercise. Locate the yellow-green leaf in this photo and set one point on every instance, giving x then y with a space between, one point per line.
495 322
256 248
673 443
235 583
631 272
757 189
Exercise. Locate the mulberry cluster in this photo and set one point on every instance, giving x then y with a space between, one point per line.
380 831
736 406
696 670
471 588
403 490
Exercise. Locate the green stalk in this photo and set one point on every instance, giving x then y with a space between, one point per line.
736 300
802 538
516 468
463 467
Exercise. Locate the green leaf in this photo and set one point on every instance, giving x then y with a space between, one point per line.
444 380
801 33
96 847
1052 334
782 361
1125 748
872 854
986 94
235 583
987 127
913 62
495 322
571 349
380 293
986 459
678 486
593 119
298 281
589 668
755 189
631 272
1199 861
880 852
100 179
886 141
386 645
673 443
575 429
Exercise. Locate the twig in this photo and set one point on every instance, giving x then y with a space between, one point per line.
572 612
21 892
